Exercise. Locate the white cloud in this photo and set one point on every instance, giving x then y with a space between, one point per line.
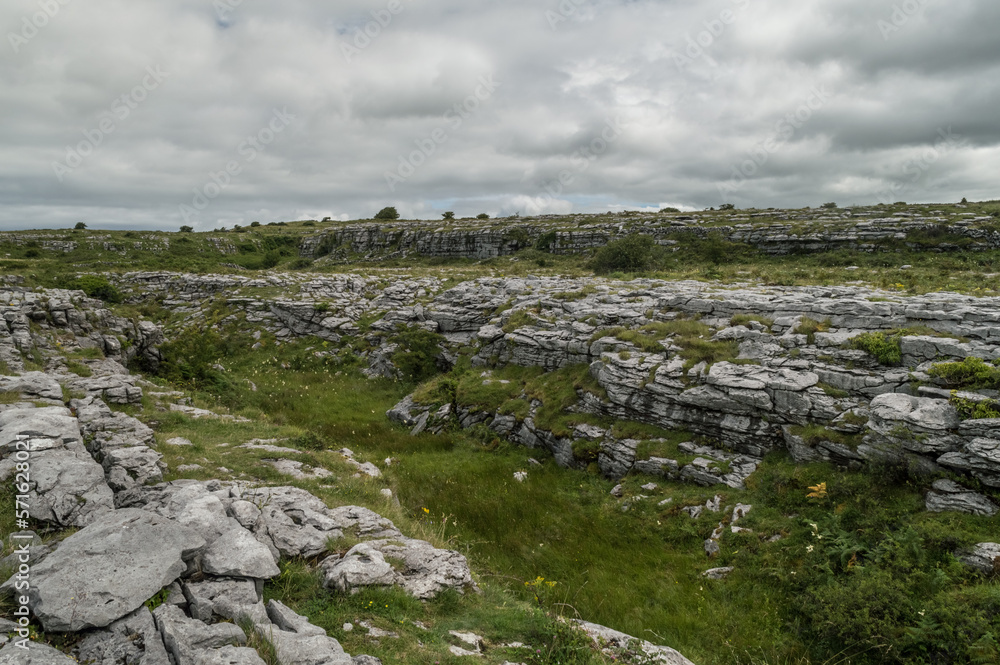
685 126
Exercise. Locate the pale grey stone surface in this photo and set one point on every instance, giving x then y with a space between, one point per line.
107 570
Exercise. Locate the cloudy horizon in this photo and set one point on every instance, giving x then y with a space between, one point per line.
220 112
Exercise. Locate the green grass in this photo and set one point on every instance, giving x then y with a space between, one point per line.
743 319
79 369
809 328
813 434
10 397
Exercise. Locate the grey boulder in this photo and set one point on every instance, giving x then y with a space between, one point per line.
131 639
109 569
36 654
984 557
948 495
237 553
186 639
229 656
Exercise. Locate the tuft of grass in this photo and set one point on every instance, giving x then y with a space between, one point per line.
519 319
813 434
259 641
79 369
10 397
743 319
809 328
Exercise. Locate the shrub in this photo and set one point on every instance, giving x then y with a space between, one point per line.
727 206
416 357
884 348
95 286
254 224
187 229
482 215
669 209
388 212
971 373
828 206
80 226
633 253
544 242
448 215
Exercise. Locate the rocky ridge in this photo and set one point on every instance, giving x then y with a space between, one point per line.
773 232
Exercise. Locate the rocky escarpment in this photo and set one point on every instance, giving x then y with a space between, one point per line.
750 369
772 232
743 370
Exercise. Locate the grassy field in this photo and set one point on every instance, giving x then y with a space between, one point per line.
860 574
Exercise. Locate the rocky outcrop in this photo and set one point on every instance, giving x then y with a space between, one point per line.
785 232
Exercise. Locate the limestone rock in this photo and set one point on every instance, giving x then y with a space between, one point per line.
36 654
107 570
608 640
131 639
362 566
229 598
947 495
229 655
285 619
236 553
186 639
299 649
984 557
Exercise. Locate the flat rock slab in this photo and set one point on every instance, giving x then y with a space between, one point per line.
229 656
36 654
109 569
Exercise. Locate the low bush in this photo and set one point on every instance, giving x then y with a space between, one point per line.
971 373
880 346
633 253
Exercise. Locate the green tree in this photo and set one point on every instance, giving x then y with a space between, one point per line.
187 229
80 226
449 215
388 212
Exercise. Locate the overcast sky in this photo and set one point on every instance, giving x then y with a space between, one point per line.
125 114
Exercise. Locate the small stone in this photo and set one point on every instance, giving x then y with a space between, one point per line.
618 491
178 441
717 573
520 476
348 627
650 487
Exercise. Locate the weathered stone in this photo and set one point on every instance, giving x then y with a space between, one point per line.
299 649
131 639
236 553
186 639
984 557
285 619
107 570
948 495
610 640
229 598
362 566
229 655
36 653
